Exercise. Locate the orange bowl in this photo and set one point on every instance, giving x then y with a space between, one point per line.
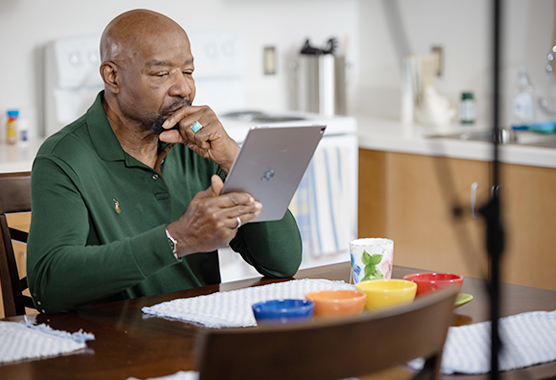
337 303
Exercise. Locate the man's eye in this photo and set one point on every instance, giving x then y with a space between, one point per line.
188 72
160 75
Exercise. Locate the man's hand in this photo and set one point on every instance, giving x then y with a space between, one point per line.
211 141
210 221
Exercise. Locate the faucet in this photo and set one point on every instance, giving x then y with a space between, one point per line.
549 67
550 59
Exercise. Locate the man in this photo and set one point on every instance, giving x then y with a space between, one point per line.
126 200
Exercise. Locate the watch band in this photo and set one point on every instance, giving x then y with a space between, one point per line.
173 244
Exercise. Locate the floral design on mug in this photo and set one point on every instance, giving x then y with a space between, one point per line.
386 268
371 262
356 268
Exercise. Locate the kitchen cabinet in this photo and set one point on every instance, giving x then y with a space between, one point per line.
410 199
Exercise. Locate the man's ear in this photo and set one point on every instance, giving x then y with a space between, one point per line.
109 74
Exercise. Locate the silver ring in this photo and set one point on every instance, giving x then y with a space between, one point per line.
238 222
196 126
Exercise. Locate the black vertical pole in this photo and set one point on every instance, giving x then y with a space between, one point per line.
491 211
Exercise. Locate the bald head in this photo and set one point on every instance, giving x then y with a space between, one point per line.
134 31
147 68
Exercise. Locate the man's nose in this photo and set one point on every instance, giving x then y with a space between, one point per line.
182 85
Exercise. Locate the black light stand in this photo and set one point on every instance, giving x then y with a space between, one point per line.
491 210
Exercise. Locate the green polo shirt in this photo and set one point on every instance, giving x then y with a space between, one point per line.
99 215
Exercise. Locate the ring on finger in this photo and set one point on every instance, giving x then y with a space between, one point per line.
238 222
196 126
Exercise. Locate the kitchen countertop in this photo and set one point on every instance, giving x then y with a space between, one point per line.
373 134
17 158
392 136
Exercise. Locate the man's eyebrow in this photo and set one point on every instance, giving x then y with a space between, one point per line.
156 62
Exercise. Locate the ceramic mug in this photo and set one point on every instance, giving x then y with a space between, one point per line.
371 259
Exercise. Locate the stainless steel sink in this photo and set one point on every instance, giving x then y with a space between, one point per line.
504 137
261 117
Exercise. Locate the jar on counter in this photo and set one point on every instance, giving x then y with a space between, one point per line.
467 109
11 127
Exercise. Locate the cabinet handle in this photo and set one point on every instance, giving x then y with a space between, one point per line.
495 189
474 187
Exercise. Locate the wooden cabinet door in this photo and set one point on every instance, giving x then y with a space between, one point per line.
529 201
423 192
411 199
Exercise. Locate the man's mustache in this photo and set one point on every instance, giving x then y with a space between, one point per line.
156 127
176 105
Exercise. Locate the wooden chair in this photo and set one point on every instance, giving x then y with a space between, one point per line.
331 350
15 196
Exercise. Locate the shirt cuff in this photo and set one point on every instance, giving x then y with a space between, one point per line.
173 244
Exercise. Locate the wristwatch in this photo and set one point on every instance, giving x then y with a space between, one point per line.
173 244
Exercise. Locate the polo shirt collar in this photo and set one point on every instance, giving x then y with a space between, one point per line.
103 137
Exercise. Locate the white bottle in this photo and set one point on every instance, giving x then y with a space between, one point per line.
22 133
467 109
523 105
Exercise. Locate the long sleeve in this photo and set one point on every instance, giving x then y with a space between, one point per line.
67 265
273 248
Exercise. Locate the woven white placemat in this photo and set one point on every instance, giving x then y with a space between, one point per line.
26 340
527 339
233 308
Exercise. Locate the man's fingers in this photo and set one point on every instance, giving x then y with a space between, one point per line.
216 185
225 200
247 214
171 136
178 115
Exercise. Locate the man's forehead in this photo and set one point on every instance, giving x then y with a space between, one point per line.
163 49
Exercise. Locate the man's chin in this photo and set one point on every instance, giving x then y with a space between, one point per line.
156 127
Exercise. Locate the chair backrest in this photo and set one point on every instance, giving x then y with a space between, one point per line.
332 350
15 196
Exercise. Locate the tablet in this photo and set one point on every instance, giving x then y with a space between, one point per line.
270 165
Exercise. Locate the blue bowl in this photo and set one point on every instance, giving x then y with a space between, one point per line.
283 311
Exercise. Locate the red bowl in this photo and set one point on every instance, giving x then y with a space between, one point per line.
431 282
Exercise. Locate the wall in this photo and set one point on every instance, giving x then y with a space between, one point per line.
464 29
26 25
375 33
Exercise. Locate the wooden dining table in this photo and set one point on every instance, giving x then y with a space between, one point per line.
129 343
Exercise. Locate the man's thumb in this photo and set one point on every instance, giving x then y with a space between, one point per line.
216 185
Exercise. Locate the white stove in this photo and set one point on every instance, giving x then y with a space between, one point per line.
238 122
325 205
